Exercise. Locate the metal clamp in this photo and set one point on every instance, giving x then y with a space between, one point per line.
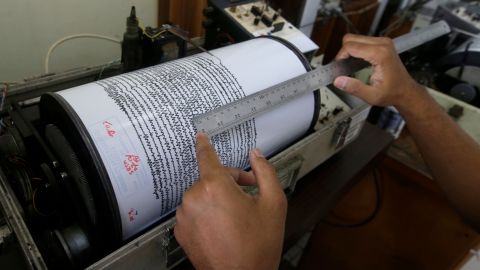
341 133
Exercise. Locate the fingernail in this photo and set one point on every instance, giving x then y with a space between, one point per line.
258 153
201 134
340 83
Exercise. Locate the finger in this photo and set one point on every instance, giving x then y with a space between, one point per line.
352 38
179 216
242 178
356 88
342 54
364 51
266 176
208 162
366 39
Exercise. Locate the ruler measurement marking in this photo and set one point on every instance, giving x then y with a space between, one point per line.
246 108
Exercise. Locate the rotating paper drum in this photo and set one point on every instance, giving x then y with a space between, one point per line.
134 133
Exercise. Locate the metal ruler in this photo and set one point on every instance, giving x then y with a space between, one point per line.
244 109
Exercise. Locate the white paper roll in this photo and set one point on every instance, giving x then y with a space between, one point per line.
141 122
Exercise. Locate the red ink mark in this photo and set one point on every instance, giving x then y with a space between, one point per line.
109 127
131 163
132 214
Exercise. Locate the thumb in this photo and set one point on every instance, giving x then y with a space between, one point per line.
355 87
266 176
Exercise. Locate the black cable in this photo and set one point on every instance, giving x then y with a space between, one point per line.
378 205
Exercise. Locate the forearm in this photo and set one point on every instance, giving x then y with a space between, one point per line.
452 155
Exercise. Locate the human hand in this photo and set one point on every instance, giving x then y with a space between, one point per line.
219 226
390 83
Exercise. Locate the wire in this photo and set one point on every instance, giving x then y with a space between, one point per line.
362 10
378 205
106 66
394 25
403 15
350 25
227 36
144 31
172 30
346 14
76 36
17 160
152 37
35 206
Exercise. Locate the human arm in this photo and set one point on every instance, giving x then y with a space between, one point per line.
452 155
219 226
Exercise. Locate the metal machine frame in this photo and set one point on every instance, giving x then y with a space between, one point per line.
340 121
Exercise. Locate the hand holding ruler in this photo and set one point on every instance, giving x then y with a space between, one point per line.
246 108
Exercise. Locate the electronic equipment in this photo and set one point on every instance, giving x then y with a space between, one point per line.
458 72
458 69
462 15
150 46
58 158
228 22
450 65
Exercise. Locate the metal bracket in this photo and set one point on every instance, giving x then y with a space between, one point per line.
288 172
341 133
15 221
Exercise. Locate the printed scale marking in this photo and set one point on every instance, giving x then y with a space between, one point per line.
239 111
